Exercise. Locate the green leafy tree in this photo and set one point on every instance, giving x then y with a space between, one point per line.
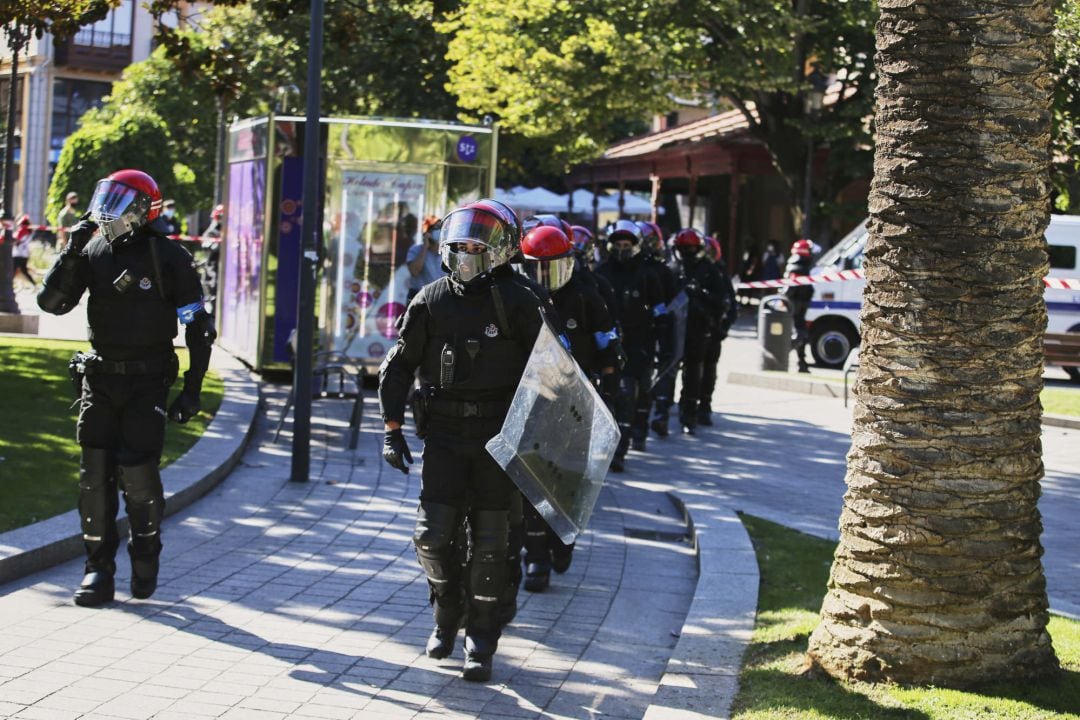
22 20
562 70
1065 127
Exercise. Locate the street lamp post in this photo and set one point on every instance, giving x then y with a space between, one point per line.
814 99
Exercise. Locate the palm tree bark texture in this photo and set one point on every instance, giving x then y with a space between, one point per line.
938 576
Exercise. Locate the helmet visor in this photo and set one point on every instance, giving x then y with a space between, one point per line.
112 200
473 225
465 266
551 274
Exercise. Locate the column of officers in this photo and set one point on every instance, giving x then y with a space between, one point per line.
463 345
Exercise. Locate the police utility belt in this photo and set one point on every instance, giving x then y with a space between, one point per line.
466 409
91 364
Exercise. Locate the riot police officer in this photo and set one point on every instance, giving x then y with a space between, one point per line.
468 335
652 247
639 299
700 280
799 263
549 260
139 283
713 346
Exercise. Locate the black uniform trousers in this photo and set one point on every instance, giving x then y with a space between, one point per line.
121 430
459 473
692 370
708 372
799 309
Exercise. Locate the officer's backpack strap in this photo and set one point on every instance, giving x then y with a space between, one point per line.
153 238
500 312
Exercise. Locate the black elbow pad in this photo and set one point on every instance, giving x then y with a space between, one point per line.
57 295
53 300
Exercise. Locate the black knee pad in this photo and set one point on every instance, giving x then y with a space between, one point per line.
145 501
436 528
487 571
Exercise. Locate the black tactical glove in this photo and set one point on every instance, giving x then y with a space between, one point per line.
396 451
80 234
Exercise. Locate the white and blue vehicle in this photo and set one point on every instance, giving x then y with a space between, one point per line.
834 312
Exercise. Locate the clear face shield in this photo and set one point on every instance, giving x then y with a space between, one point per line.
118 209
472 243
551 274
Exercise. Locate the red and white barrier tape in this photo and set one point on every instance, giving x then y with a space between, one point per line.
57 228
1055 283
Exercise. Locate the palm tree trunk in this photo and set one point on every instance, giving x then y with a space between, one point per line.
938 577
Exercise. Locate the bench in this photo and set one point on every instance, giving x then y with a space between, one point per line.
1063 349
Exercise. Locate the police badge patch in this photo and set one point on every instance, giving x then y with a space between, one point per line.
571 324
144 284
491 330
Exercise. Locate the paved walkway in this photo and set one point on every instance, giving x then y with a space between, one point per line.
305 600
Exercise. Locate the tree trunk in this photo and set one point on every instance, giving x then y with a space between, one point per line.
938 577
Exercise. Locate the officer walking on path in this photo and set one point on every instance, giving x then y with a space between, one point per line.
139 283
721 325
799 264
549 260
469 335
640 301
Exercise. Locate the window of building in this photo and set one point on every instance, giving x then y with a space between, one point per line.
1063 257
113 30
5 94
71 100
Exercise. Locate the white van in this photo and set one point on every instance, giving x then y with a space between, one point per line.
834 311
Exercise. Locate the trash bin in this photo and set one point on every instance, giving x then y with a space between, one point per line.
774 332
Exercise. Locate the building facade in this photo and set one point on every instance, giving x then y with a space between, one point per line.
58 81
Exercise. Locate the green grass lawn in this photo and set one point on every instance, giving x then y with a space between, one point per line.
794 572
39 457
1061 401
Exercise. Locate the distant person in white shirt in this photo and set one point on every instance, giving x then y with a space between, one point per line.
423 261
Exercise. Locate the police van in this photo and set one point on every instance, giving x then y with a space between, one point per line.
834 312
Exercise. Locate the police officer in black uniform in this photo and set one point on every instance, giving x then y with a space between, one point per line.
639 299
652 247
722 326
469 335
800 261
700 280
139 283
549 260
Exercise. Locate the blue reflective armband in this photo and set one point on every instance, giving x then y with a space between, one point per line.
659 310
603 339
565 341
187 313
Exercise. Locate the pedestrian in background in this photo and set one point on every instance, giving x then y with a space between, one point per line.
422 259
68 216
170 222
20 249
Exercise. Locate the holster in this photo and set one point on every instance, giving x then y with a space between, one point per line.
420 401
77 370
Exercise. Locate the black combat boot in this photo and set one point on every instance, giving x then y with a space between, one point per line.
441 643
617 464
145 502
478 655
561 555
704 416
537 577
98 504
97 588
660 427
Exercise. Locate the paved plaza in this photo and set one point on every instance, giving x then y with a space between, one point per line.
305 600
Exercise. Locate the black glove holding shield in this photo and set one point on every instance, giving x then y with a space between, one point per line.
79 234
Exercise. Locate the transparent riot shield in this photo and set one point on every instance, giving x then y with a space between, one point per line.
678 308
558 438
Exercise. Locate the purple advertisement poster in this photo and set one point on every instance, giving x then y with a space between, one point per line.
286 289
240 291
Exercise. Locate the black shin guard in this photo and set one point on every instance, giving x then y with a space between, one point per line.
98 505
487 577
145 501
436 529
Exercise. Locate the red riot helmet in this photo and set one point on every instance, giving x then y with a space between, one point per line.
715 251
478 238
688 243
549 256
624 230
802 248
548 220
124 202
